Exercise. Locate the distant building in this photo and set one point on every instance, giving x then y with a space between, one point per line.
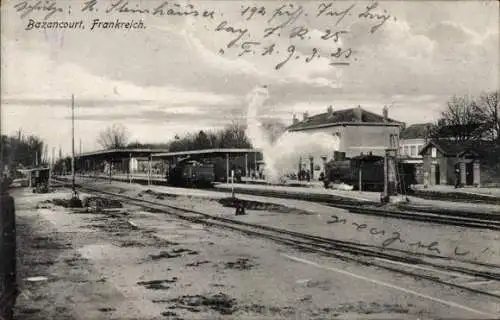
442 157
412 141
458 153
359 131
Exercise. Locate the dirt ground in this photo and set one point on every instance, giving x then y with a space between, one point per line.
450 241
135 264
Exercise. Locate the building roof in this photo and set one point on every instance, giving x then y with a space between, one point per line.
416 131
33 169
118 153
206 152
342 117
451 148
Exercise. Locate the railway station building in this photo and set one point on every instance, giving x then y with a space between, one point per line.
359 131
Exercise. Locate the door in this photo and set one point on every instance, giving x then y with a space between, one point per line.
469 174
438 174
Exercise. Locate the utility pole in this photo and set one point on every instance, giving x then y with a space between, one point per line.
73 142
75 201
1 148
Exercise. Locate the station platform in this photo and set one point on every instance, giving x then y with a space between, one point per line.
493 192
311 189
319 194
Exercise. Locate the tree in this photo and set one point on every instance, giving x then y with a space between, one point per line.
202 141
19 151
113 137
462 120
234 136
488 104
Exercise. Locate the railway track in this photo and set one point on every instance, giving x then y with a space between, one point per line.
484 222
490 221
458 273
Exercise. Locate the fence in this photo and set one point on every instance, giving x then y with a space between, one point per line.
8 286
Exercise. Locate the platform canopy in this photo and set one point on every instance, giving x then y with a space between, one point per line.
29 170
118 154
206 153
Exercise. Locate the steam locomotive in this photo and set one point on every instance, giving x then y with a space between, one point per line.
191 173
367 170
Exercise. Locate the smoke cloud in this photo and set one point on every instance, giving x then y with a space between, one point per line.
283 156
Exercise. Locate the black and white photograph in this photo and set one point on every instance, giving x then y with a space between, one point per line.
253 160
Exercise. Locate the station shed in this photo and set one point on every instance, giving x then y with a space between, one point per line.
224 159
119 159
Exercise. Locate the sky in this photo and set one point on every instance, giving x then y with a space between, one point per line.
178 75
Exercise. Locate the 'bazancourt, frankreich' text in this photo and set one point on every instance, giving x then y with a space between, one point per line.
79 24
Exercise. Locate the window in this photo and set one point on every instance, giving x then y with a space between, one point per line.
413 151
433 152
420 147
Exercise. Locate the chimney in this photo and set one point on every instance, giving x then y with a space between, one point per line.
385 112
295 120
330 111
428 132
305 116
358 114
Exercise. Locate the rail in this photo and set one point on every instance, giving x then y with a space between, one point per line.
437 269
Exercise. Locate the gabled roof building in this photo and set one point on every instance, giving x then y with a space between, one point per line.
358 130
460 162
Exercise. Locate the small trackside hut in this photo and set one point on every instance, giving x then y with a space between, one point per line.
457 163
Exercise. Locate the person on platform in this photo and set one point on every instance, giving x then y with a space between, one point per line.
457 177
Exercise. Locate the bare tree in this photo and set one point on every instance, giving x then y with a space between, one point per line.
234 136
462 120
488 104
113 137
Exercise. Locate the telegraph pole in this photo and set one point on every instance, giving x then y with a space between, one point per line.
73 142
1 149
75 202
